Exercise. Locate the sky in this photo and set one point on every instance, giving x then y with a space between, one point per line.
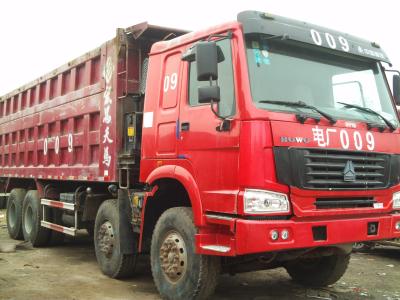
39 36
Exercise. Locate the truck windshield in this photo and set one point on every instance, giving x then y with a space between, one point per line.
292 73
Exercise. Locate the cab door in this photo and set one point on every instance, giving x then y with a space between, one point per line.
213 154
168 111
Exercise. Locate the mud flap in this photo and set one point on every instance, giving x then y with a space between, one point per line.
129 240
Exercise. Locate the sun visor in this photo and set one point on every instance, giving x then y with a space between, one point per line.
259 22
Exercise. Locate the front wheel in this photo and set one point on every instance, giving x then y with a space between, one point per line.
106 243
178 272
318 271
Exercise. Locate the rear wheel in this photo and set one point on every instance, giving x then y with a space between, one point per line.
318 271
31 217
106 241
14 213
178 272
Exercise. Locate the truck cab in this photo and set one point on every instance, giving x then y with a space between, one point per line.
284 135
304 129
260 143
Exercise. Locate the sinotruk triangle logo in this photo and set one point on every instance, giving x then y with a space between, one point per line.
349 172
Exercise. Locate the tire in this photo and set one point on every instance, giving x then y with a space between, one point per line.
14 213
31 216
195 276
320 271
106 242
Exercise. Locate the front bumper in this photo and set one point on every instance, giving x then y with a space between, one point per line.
234 236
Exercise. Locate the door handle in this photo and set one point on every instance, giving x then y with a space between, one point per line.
185 126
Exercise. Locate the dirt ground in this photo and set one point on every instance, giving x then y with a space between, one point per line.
70 272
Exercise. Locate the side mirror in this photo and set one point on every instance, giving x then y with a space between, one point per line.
209 93
396 89
207 61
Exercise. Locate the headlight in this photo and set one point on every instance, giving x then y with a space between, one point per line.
396 200
397 226
260 202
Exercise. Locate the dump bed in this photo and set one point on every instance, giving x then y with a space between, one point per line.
69 123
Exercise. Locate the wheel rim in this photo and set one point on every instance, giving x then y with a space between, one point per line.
28 220
173 256
106 239
12 214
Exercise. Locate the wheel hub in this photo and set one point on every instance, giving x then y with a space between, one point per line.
173 256
106 239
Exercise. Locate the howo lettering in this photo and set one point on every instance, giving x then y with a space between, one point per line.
260 143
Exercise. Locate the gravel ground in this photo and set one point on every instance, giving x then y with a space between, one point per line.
70 272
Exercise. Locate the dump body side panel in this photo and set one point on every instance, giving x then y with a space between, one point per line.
59 127
69 123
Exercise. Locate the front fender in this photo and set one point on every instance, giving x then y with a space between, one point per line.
189 183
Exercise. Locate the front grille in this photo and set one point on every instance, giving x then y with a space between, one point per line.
328 169
324 169
333 203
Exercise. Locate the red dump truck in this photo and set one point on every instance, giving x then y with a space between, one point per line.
260 143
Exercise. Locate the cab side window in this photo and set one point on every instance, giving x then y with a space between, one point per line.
225 81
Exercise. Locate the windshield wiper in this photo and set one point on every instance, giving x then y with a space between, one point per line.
301 104
368 110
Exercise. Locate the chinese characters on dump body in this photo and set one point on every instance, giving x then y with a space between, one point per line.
107 120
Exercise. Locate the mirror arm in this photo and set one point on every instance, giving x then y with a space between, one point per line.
225 125
220 36
215 112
